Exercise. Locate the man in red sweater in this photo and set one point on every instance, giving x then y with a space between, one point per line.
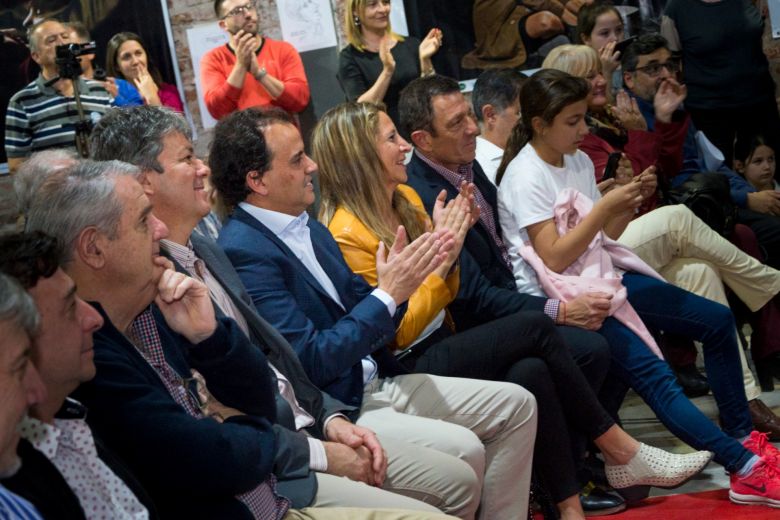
250 70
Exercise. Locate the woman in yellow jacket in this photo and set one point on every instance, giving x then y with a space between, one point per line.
361 166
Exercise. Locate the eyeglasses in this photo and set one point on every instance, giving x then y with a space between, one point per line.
654 69
240 10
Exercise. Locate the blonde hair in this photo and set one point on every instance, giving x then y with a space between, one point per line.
351 172
354 34
577 60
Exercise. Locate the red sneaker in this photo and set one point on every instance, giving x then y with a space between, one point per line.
759 444
760 487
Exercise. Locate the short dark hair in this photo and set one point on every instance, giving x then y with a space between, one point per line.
135 135
644 44
415 107
497 87
239 147
28 257
218 7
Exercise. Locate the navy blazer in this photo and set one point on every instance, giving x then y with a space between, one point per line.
192 468
330 340
487 285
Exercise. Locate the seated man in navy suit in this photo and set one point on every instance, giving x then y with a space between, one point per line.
340 326
212 459
313 428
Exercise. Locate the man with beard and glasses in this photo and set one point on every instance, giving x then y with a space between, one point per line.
250 70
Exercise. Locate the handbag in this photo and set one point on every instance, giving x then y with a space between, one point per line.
708 195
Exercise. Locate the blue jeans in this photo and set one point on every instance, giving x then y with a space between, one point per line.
663 306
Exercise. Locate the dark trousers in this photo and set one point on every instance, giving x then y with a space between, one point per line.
527 348
767 230
723 126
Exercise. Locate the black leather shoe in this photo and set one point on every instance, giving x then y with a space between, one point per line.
597 502
693 383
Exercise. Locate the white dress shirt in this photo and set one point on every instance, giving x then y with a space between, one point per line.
489 157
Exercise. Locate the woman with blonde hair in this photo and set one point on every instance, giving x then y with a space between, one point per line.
378 62
364 200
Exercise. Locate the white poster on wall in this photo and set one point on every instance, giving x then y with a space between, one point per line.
201 39
398 18
307 24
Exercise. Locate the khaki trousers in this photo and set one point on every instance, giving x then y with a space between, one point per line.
347 513
456 444
690 255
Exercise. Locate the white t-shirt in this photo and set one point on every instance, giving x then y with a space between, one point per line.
527 195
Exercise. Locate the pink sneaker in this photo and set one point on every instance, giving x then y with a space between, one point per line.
760 487
759 444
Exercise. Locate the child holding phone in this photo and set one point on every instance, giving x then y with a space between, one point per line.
542 160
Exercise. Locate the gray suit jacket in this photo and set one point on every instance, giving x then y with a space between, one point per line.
296 480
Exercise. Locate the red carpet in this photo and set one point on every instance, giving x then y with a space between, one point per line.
709 505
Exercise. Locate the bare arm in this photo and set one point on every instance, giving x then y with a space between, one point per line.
611 214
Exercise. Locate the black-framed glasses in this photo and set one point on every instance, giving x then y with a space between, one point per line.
654 69
240 10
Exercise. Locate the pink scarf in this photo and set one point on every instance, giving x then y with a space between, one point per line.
594 270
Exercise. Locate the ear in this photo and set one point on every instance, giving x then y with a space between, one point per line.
739 166
538 125
628 79
146 183
222 25
90 248
488 113
422 140
255 182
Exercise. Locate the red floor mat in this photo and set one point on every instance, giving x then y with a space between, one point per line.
709 505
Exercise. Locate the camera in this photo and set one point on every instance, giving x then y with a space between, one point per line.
67 58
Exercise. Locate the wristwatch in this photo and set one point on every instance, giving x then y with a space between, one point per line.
261 73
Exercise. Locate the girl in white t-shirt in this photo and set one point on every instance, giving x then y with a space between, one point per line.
541 159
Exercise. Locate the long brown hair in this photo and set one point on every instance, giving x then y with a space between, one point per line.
351 172
112 56
544 95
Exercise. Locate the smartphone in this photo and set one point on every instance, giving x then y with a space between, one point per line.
621 45
612 165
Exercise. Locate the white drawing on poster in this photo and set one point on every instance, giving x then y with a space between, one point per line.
201 39
307 24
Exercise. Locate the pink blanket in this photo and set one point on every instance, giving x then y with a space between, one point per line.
595 269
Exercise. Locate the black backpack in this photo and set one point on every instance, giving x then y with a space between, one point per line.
708 195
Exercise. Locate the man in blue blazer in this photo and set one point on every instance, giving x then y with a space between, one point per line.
340 326
316 442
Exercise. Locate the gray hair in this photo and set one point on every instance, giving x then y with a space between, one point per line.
76 198
32 39
39 167
135 135
17 306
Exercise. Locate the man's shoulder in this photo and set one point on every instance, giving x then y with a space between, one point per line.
278 45
30 92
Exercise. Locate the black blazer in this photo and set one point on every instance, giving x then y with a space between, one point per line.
487 285
192 468
40 482
296 481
